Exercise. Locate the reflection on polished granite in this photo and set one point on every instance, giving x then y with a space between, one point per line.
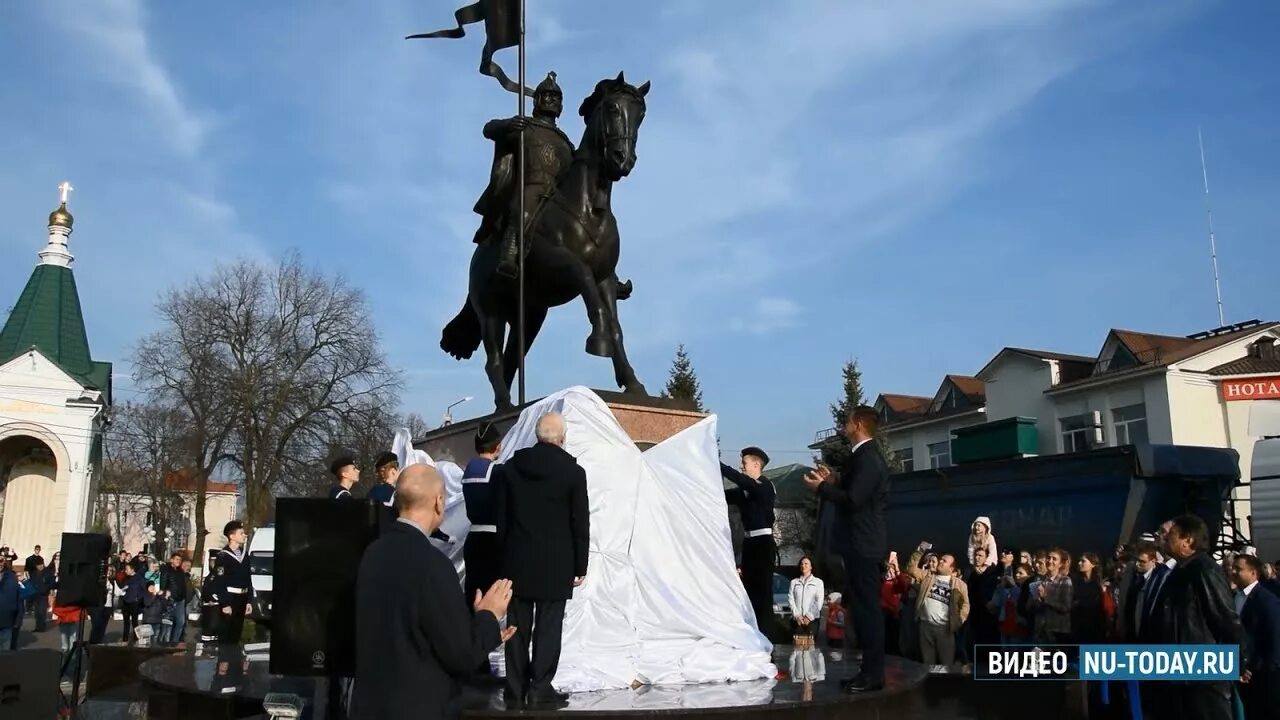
809 682
224 673
192 687
115 665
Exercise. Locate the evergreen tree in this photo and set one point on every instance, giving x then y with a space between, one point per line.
682 382
837 450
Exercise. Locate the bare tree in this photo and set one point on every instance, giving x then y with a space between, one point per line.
144 443
365 432
274 365
416 425
301 356
182 367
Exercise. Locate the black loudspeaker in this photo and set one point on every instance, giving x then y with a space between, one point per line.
82 577
319 544
29 682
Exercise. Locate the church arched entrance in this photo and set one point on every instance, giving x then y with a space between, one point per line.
28 476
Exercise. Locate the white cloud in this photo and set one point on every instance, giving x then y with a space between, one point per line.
116 29
769 315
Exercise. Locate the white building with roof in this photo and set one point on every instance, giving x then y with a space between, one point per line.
53 402
1218 388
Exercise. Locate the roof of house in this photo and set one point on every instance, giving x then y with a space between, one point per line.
1070 367
1139 342
1157 351
1248 366
1260 360
47 317
1051 355
906 403
971 386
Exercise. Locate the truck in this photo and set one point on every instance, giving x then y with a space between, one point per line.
262 555
1264 498
1086 501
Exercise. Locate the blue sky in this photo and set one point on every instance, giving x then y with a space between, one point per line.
912 184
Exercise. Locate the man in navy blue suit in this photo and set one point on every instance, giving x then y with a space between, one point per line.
1259 613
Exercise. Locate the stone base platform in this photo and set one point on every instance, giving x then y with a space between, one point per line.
647 420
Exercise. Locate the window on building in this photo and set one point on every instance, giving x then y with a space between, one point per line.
906 458
150 519
940 454
1131 424
1077 433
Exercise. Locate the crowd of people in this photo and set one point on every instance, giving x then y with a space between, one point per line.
1164 589
137 590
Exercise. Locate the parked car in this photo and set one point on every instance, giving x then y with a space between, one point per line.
781 597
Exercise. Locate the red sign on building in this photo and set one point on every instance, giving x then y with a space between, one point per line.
1259 388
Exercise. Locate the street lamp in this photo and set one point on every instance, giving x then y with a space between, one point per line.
448 412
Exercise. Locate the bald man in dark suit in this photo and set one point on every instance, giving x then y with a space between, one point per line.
415 636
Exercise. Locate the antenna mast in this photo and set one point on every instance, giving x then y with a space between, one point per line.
1213 242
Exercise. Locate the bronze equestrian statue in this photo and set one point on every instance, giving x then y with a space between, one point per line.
548 152
571 234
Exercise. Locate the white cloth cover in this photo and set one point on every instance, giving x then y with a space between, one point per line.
662 603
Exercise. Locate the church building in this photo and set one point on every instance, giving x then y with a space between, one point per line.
54 401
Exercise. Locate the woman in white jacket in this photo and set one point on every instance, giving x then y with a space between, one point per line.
980 537
806 595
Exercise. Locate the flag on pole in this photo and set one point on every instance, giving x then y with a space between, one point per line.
501 20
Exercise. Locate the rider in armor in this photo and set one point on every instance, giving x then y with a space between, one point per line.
548 152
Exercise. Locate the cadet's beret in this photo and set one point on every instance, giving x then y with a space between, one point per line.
385 459
231 527
756 452
340 462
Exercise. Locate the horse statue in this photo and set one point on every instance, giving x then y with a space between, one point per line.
572 248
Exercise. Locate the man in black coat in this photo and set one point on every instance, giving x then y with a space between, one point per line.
414 633
543 534
1260 615
1195 608
859 492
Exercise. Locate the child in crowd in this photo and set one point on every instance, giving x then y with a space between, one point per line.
1004 605
980 537
835 622
154 607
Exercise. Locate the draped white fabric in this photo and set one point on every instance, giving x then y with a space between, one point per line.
662 603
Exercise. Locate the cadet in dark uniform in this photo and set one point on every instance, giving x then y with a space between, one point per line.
387 468
209 604
345 474
481 549
232 585
754 497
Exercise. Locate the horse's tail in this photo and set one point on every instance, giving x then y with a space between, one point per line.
461 336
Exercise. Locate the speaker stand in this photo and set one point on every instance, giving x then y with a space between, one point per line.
75 658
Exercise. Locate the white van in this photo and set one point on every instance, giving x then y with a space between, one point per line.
262 554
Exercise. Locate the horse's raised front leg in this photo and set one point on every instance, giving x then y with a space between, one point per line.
622 370
491 329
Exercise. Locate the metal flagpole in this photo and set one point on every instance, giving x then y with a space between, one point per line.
1213 241
520 230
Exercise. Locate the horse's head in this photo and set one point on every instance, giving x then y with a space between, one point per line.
613 115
